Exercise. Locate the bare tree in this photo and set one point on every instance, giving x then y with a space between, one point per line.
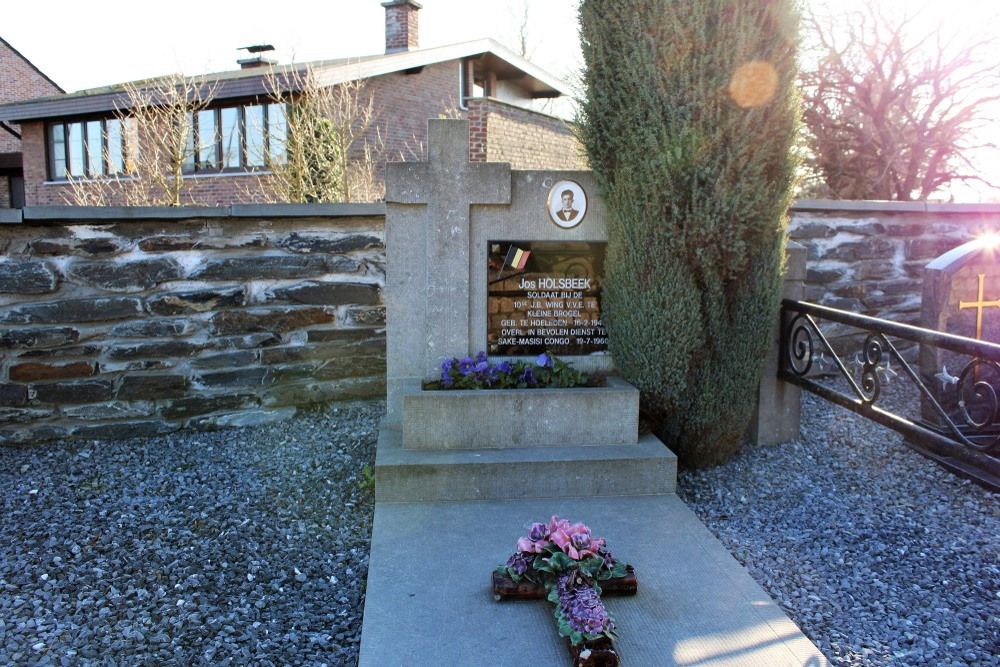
332 148
157 145
893 111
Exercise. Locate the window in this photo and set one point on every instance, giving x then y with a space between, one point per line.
224 139
86 149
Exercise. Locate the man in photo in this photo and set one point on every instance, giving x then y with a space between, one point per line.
567 212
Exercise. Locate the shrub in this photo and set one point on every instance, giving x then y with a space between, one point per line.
688 119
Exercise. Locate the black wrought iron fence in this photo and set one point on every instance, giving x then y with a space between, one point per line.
959 423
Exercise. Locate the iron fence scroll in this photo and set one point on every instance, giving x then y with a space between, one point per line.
973 438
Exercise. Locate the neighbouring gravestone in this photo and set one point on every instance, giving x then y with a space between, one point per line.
961 296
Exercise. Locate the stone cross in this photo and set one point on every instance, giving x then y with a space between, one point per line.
428 267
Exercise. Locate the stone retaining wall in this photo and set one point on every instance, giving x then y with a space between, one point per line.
131 322
869 257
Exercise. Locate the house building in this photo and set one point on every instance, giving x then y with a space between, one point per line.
19 80
79 136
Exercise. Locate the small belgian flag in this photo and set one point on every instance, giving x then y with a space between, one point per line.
516 257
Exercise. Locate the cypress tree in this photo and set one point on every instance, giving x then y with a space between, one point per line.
688 117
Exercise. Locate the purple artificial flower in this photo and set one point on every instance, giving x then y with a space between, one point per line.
481 357
520 563
505 367
544 361
482 367
446 367
527 377
581 606
466 366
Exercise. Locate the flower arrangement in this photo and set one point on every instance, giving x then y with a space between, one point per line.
480 373
569 562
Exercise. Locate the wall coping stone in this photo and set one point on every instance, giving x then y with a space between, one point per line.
76 214
345 209
850 206
10 216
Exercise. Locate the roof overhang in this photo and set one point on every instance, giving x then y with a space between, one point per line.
258 82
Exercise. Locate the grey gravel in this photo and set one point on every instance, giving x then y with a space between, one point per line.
880 556
250 546
235 547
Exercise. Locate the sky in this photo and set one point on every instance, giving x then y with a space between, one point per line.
103 42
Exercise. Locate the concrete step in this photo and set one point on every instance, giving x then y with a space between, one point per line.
404 475
429 599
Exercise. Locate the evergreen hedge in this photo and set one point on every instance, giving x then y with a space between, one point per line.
688 119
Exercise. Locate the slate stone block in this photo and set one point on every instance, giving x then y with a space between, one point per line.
34 372
275 267
351 368
138 387
153 329
812 230
873 248
307 243
226 360
27 277
863 228
324 392
74 391
174 348
123 430
277 320
200 405
74 310
914 229
13 394
10 416
366 317
197 301
64 353
291 354
31 338
287 374
345 335
192 242
239 377
823 276
874 270
119 276
92 247
108 411
31 434
929 248
249 342
328 293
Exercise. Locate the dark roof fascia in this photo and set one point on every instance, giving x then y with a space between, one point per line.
103 103
230 85
32 65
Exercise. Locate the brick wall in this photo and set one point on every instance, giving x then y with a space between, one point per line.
133 325
527 139
19 80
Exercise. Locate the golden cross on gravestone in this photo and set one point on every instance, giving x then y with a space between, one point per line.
979 306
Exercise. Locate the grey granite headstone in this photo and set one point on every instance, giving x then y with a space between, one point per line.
961 296
440 217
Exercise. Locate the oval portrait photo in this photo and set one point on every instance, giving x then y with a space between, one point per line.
567 204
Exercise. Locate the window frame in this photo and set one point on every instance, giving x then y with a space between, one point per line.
193 166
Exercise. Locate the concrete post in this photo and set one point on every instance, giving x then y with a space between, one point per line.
776 418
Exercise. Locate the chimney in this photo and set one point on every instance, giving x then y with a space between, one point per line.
401 27
256 59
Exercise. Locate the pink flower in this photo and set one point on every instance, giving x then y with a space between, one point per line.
575 541
536 540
